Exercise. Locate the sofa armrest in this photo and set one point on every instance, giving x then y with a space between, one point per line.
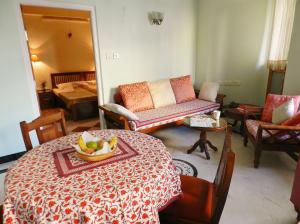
220 99
115 120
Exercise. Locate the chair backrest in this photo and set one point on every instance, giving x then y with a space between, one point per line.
223 177
46 127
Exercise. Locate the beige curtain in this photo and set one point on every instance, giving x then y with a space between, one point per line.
281 34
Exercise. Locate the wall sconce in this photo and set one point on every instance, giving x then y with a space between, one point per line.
34 58
155 18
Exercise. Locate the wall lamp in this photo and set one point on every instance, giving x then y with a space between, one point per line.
34 58
155 18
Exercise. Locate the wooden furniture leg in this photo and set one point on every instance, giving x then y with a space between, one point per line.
202 143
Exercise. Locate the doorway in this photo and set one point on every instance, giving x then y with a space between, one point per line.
62 54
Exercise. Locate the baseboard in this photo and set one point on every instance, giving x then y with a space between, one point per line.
11 157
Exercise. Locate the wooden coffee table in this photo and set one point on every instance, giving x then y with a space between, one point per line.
203 141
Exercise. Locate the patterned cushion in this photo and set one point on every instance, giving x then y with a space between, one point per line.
171 113
274 101
252 127
136 96
183 89
293 121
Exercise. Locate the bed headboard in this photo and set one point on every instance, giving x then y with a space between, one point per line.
58 78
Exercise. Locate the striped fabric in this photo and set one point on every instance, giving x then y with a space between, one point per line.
171 113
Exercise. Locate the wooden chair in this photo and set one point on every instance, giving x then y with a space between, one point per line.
271 137
46 127
203 201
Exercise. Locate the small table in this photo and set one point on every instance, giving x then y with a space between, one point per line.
203 141
238 114
131 190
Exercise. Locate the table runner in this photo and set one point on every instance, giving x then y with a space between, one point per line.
67 163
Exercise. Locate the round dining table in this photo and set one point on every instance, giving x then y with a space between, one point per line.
49 184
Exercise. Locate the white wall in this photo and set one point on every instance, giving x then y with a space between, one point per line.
233 36
292 78
16 104
146 53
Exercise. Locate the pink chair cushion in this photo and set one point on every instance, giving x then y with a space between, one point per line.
183 89
136 96
293 121
274 101
252 127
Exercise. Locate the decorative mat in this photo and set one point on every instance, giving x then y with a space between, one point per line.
185 168
67 163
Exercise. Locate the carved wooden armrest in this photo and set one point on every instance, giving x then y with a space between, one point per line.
274 131
115 120
220 99
280 127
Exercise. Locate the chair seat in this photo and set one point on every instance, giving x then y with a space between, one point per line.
252 127
195 204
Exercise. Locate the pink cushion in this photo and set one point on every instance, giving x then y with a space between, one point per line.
183 89
293 121
252 127
136 96
274 101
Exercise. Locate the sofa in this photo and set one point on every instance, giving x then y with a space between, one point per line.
149 106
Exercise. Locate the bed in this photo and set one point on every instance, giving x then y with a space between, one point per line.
82 100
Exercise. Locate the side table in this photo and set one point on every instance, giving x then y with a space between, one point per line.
238 115
203 142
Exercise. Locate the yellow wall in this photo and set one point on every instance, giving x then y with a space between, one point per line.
49 40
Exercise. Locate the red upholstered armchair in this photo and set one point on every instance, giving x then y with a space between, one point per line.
267 136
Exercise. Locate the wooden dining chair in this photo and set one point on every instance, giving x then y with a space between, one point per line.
203 201
46 127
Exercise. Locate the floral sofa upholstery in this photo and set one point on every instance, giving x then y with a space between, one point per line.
154 118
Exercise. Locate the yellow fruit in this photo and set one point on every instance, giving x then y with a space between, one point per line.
113 142
91 145
82 144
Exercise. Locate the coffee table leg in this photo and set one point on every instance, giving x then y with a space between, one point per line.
194 147
204 149
212 146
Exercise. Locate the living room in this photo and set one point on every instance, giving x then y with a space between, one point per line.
228 42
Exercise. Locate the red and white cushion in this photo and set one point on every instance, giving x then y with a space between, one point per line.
274 101
171 113
252 127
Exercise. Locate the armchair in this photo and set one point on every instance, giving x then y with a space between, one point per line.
266 136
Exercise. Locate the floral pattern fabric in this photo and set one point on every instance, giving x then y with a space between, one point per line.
136 96
128 191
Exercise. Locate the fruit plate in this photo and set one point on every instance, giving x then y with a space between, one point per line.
91 148
94 158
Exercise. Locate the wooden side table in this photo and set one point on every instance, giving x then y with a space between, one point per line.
238 115
203 142
46 99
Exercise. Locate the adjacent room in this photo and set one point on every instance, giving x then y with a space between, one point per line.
62 58
150 111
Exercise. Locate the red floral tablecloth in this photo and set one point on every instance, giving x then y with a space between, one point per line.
127 191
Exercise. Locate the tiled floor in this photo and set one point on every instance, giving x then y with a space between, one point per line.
257 196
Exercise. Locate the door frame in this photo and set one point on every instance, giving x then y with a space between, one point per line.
26 54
